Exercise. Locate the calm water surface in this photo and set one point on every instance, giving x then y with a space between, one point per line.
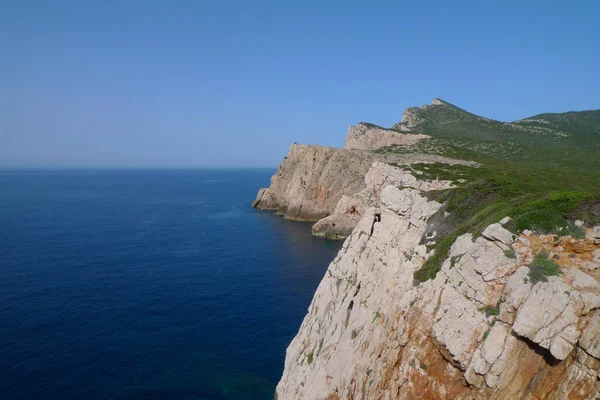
148 285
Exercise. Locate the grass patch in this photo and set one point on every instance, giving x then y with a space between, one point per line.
541 268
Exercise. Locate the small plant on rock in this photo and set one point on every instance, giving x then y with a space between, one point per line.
510 253
541 268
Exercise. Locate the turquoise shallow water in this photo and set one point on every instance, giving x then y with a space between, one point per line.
148 285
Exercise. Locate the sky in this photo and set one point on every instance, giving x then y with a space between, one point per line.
186 84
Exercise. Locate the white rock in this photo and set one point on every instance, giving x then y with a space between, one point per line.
363 137
594 233
494 344
505 220
582 281
497 232
460 325
549 317
591 301
590 338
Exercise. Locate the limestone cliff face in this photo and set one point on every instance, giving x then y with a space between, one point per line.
350 209
480 329
327 185
311 180
370 137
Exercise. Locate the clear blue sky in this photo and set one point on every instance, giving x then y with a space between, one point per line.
234 83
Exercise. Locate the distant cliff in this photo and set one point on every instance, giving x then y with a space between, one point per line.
316 183
365 136
311 180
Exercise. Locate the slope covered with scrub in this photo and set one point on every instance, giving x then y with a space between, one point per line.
543 170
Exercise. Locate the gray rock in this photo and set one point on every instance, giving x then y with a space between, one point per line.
590 338
549 317
582 281
505 220
497 232
312 179
364 137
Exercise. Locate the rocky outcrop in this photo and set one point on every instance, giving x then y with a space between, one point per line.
371 137
480 329
350 209
328 185
311 180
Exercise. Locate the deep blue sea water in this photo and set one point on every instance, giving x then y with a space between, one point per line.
148 285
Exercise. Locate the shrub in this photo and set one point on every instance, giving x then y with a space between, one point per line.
576 232
510 253
541 267
543 221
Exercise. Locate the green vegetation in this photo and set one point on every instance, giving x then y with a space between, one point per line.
423 366
377 316
510 253
541 267
354 334
309 358
492 310
577 232
370 125
542 171
453 261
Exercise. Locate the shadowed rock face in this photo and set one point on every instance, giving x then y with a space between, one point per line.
479 330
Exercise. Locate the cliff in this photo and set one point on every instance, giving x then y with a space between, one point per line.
311 180
481 329
447 296
324 184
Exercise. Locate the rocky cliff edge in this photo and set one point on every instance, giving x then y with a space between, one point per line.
485 328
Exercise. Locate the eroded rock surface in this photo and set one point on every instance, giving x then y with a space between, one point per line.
350 209
480 329
311 180
370 137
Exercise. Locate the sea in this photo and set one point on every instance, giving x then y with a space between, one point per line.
148 284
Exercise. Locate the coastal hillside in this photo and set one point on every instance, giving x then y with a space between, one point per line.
471 265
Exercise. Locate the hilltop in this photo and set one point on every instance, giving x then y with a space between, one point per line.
543 170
